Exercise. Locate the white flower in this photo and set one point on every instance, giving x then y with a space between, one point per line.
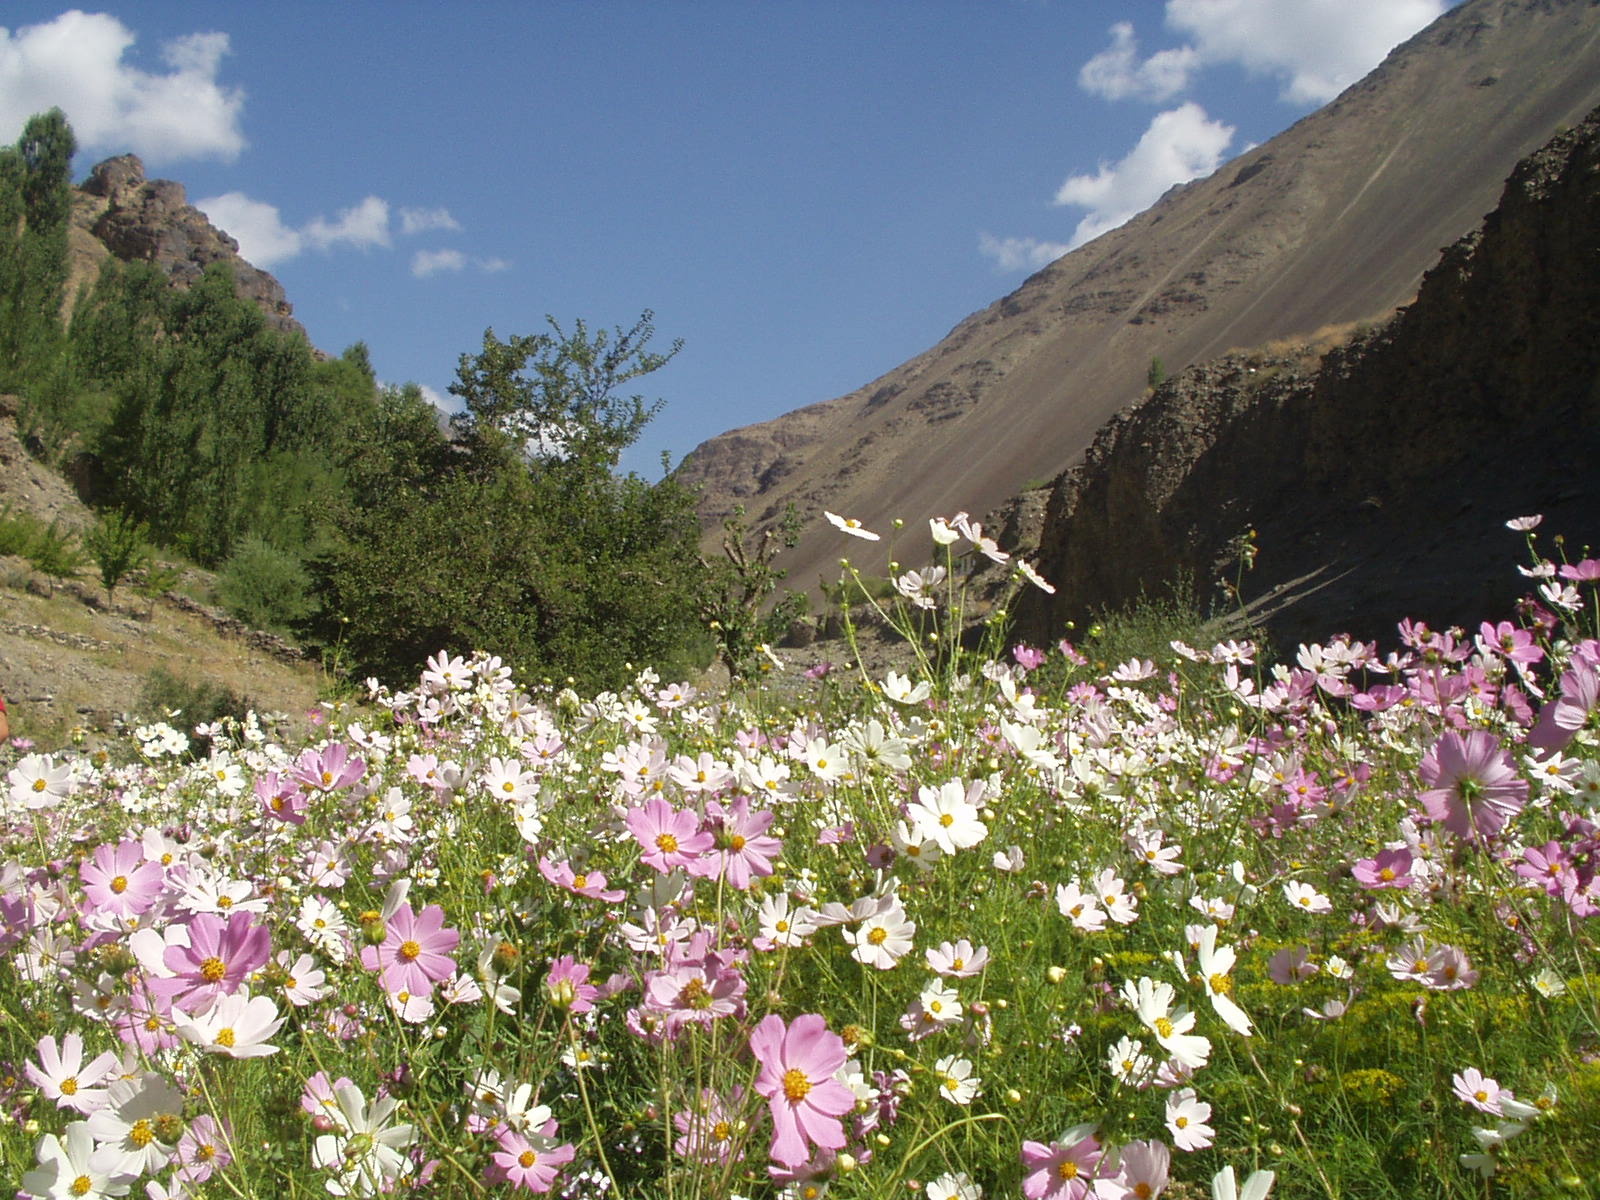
1306 898
957 1083
237 1025
72 1166
1080 907
1130 1064
368 1157
64 1076
941 532
949 815
126 1126
851 526
1224 1187
1187 1115
958 961
1033 577
1153 1003
899 689
782 927
883 938
955 1185
1215 963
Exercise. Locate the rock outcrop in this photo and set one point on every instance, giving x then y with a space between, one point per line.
1378 480
1333 221
151 220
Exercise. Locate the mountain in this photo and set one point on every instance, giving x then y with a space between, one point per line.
1333 221
118 213
1378 477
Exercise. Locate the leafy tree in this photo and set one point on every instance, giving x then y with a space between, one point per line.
35 203
117 543
735 589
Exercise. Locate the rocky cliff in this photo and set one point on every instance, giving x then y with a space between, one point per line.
1333 221
1379 478
119 213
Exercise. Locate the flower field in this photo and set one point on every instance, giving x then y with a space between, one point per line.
1016 921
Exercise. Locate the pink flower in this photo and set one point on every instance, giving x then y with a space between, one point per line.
1478 1090
529 1159
796 1078
568 984
415 953
328 769
1473 787
669 838
742 850
119 882
1387 869
1063 1170
590 883
220 957
280 798
706 1131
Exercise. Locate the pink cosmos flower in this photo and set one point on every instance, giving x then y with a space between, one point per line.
1142 1171
281 798
742 849
1386 869
706 1131
203 1150
415 953
64 1077
568 984
1473 787
1475 1088
328 769
582 883
1063 1170
798 1063
221 955
529 1159
119 882
669 838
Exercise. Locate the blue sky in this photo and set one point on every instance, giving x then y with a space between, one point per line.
806 193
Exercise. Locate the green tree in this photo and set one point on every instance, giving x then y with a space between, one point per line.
35 203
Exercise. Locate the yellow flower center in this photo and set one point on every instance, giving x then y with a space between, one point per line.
666 843
795 1085
1182 1122
81 1185
225 1037
1221 984
1481 1096
721 1131
140 1135
409 950
224 901
878 936
213 969
1143 1190
958 964
782 927
69 1086
1067 1170
736 843
39 785
580 882
1163 1027
1387 874
946 820
527 1158
119 884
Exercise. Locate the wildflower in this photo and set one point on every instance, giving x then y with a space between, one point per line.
591 884
669 838
1063 1170
367 1155
237 1025
706 1130
1473 787
73 1165
130 1125
1224 1185
1152 1002
119 882
1306 898
1386 869
1548 984
1026 570
883 939
797 1065
1130 1064
741 849
64 1077
203 1150
567 984
1142 1170
1186 1118
1080 907
1215 963
38 783
530 1158
1111 891
851 526
1474 1088
941 532
782 927
415 951
1291 965
219 957
958 961
957 1083
948 815
952 1185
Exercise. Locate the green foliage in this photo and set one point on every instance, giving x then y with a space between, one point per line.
35 202
199 703
51 550
521 535
1156 374
735 590
266 586
118 545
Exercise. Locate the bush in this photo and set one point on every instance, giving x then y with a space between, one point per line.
265 586
196 703
49 548
117 545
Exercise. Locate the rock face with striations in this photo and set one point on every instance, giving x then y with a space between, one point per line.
151 220
1331 222
1379 480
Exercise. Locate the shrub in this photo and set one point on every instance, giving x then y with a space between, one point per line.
265 586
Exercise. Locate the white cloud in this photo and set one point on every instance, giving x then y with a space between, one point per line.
75 62
420 220
493 266
365 225
1180 144
437 400
1317 47
1017 254
430 262
1117 74
256 225
264 239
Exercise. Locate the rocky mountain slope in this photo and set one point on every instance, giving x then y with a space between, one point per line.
118 213
1379 479
1333 221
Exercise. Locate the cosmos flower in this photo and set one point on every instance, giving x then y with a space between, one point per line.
797 1067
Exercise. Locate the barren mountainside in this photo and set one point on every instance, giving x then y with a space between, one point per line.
1379 480
1333 221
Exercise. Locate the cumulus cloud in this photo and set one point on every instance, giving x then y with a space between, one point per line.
493 266
1117 73
364 226
430 262
1315 48
264 238
75 62
1017 254
1180 144
421 220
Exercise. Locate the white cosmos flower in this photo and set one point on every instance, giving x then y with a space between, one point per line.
72 1165
1215 963
1153 1003
957 1083
941 531
237 1025
948 815
900 689
1225 1187
369 1156
851 526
